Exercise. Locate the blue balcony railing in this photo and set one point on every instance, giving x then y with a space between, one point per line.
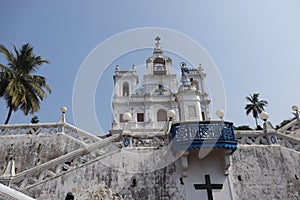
203 134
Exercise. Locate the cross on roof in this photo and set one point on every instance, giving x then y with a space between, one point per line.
208 186
157 44
157 39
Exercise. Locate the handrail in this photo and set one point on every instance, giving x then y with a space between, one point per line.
13 193
81 133
287 137
288 125
289 141
243 133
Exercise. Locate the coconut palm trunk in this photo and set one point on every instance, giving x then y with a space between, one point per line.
8 115
256 123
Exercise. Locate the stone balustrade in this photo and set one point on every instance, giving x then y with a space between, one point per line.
288 141
48 129
251 137
125 73
261 138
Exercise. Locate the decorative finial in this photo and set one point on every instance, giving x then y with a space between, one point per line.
295 108
171 114
264 116
117 68
133 67
62 117
10 167
64 109
127 116
220 113
157 44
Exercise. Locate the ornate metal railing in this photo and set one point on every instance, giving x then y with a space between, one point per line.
48 129
203 134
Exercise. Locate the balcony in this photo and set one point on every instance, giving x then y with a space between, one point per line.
203 134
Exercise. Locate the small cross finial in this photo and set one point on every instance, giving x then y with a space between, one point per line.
157 44
157 39
200 66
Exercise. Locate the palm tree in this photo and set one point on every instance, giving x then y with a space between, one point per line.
19 86
255 106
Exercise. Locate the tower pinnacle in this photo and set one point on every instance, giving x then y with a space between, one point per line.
157 44
158 49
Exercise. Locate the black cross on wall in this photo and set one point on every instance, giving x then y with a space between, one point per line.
208 187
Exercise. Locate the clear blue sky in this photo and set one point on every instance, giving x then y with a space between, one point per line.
255 44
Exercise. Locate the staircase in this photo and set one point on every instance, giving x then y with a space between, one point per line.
54 168
93 148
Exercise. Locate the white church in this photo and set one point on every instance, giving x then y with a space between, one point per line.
163 144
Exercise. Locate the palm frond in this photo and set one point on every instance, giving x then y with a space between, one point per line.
255 106
20 87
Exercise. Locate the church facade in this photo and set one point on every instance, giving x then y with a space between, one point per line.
163 144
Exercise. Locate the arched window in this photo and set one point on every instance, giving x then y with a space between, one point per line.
161 115
125 89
